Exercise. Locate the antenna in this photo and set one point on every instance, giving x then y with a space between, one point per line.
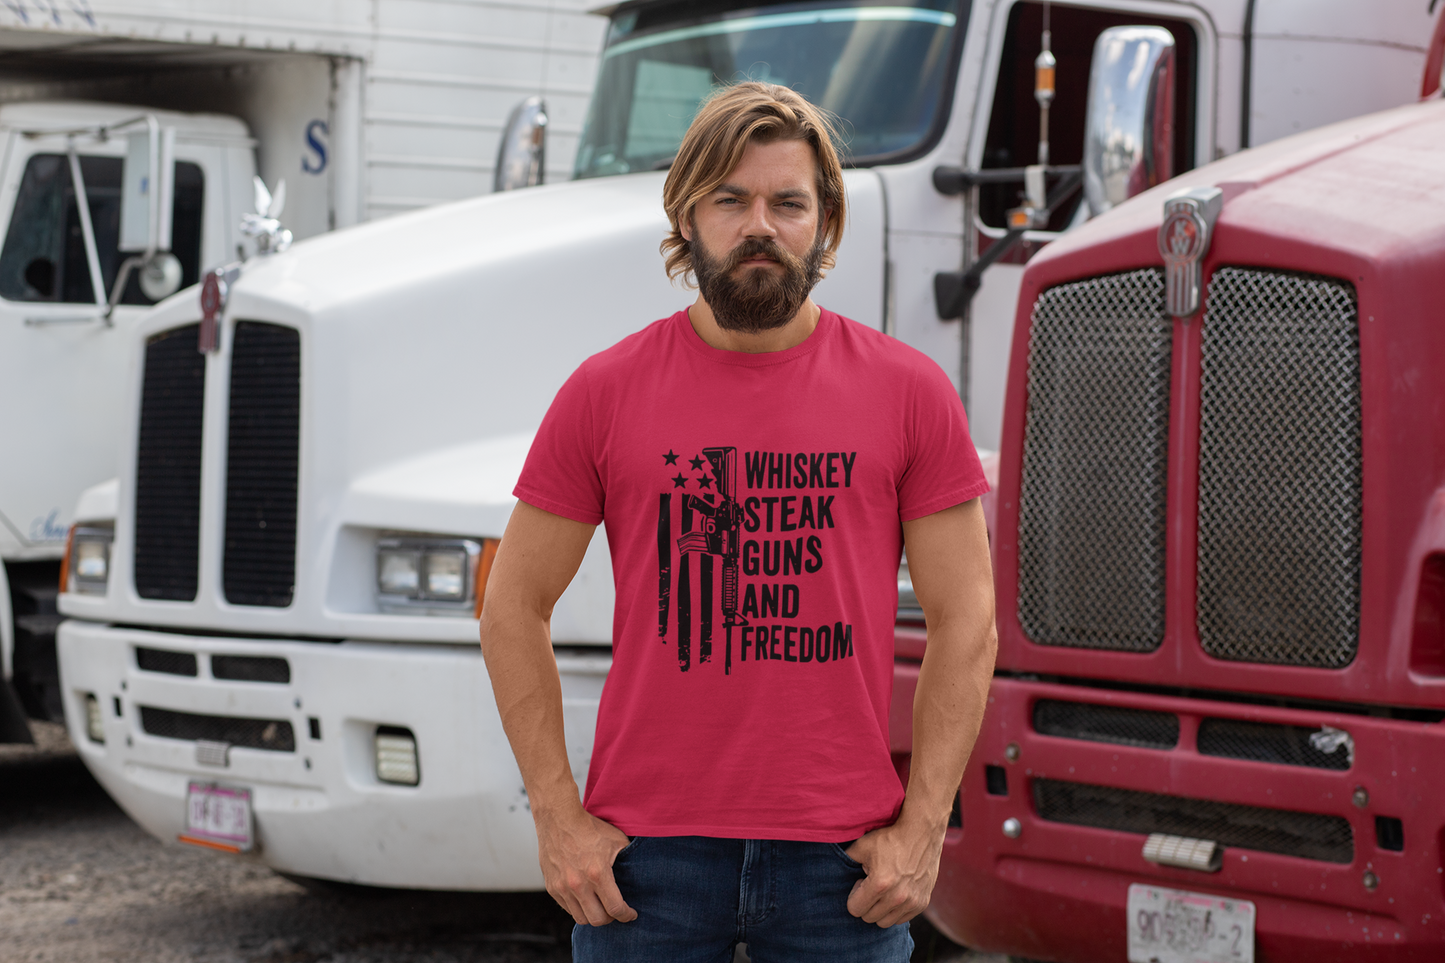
1044 86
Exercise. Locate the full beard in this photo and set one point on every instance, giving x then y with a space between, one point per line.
759 300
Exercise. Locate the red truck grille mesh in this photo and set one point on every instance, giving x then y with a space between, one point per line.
1279 470
1307 835
1096 444
1268 742
1119 725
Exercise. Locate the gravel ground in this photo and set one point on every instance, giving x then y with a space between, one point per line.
81 883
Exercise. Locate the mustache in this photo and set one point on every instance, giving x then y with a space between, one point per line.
761 247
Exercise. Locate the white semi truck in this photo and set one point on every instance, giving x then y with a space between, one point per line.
363 109
270 643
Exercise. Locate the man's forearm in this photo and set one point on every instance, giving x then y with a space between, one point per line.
948 553
528 692
948 709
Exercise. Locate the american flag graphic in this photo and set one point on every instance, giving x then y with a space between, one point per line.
709 525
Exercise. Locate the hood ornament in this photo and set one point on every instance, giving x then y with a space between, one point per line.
1184 238
264 226
271 238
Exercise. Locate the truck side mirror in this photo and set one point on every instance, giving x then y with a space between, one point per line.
522 155
1129 122
147 195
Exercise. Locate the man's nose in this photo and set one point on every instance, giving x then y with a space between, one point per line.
760 220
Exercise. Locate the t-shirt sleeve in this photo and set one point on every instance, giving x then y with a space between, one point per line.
943 469
560 474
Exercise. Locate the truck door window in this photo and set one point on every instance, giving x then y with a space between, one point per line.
44 254
1013 127
884 67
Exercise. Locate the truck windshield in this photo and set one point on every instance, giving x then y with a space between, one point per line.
880 67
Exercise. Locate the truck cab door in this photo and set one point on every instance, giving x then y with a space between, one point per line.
62 366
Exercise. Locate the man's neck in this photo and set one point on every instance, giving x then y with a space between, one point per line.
794 333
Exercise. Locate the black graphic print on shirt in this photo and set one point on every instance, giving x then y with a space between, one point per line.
733 534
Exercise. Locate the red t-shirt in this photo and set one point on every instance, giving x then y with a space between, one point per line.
753 505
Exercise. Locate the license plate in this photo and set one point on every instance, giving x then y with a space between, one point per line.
1174 926
218 817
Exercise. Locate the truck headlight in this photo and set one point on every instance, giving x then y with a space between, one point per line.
398 571
446 572
432 575
86 566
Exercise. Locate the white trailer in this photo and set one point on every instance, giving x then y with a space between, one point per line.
298 678
365 109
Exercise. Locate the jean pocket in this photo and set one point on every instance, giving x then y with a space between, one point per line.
628 849
841 851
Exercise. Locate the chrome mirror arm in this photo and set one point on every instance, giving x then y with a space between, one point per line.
953 291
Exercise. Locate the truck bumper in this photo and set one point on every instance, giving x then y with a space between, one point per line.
319 808
1058 889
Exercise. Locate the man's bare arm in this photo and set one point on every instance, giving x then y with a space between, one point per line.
539 554
953 579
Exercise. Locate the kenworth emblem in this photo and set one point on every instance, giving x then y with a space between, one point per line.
215 289
1189 218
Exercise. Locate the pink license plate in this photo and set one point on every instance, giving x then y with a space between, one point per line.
1177 926
218 817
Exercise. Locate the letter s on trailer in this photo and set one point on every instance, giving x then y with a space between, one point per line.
282 657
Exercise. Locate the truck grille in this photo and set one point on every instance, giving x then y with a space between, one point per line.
164 660
1267 742
1114 724
275 735
168 467
259 567
1279 470
1307 835
1096 444
250 668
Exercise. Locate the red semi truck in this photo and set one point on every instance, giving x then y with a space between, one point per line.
1215 733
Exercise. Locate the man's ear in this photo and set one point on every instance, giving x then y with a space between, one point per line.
685 227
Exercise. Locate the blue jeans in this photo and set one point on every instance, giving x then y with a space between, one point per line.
697 897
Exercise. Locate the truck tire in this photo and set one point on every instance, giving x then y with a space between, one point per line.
34 587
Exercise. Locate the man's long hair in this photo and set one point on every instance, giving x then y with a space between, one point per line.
730 120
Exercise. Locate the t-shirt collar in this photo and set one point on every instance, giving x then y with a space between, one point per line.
827 322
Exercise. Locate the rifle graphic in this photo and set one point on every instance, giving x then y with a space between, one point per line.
718 533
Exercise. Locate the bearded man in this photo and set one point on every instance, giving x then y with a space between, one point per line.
760 463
